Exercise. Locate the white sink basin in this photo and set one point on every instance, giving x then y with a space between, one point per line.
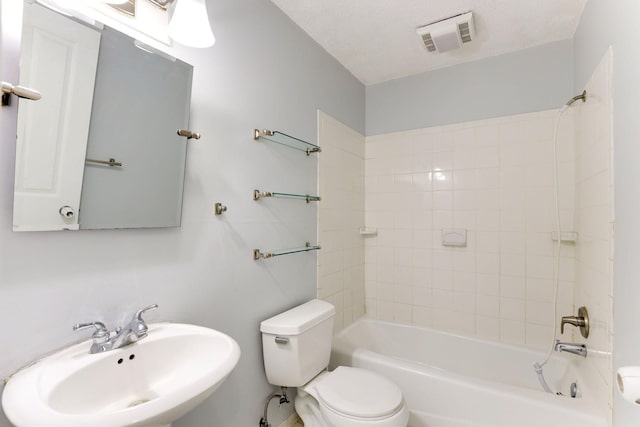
152 382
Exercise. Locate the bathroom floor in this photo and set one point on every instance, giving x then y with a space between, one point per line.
294 421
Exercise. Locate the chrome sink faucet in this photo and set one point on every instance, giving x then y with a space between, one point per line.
103 340
577 349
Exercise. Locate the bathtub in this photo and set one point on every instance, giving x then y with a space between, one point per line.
454 381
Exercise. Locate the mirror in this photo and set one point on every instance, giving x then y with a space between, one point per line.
100 149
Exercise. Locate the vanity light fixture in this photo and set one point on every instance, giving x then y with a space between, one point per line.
189 24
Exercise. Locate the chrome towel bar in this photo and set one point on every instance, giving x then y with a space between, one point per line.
110 162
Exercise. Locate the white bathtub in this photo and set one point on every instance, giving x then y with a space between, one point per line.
454 381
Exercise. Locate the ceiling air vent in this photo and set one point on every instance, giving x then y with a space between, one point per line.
448 34
428 42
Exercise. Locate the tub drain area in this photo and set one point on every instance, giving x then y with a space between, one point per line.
138 402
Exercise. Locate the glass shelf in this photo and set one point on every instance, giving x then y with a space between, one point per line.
284 139
307 247
257 195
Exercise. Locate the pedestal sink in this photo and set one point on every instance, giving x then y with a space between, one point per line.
149 383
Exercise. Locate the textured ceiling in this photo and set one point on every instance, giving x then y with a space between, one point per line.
377 41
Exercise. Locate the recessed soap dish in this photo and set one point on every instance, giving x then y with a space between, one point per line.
565 236
456 237
368 231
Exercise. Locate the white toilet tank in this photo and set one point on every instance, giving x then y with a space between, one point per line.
296 344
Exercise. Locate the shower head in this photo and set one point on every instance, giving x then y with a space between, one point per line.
570 102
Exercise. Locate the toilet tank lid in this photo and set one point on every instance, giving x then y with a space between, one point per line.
298 319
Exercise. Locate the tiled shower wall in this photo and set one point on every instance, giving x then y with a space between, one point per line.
340 216
493 178
594 223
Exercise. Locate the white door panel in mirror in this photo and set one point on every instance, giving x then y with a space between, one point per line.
52 132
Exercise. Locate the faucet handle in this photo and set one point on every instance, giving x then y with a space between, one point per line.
139 313
100 335
571 320
140 325
581 321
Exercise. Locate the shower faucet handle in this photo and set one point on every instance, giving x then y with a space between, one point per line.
581 321
572 320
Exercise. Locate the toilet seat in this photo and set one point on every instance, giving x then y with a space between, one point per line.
358 393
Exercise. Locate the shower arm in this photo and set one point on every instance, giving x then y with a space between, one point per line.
582 96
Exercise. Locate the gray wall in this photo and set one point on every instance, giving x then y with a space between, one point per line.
263 72
535 79
606 23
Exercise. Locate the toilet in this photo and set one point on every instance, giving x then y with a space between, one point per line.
296 346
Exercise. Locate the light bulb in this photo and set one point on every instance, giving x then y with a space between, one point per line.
190 26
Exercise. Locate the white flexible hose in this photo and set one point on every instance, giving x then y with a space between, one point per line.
556 254
541 379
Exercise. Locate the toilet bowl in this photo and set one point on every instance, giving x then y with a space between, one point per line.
351 397
296 346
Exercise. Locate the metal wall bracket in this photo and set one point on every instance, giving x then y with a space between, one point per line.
189 134
257 254
219 208
287 140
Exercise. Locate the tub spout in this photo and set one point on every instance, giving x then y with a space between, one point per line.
577 349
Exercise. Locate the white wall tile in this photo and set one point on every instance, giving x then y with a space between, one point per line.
513 286
342 272
488 157
464 159
464 179
512 331
512 309
487 136
488 327
488 178
464 281
422 316
443 200
493 178
488 284
443 161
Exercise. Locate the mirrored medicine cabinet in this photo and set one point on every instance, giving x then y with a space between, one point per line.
99 150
